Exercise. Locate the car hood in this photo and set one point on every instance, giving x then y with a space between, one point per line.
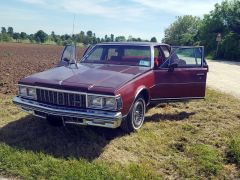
93 78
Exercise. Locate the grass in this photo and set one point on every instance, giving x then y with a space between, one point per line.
234 150
207 157
178 140
30 165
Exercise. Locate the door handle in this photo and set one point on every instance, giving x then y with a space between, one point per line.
200 74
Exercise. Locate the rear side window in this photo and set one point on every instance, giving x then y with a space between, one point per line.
137 52
187 56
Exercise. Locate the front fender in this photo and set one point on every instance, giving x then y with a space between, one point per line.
129 95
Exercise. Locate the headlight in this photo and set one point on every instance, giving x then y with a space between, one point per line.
27 92
94 101
102 102
31 92
109 102
22 91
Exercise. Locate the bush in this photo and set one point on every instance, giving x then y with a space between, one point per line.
230 47
5 37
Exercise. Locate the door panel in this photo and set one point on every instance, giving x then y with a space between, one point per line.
181 83
187 80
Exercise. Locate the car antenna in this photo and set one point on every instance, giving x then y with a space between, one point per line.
74 43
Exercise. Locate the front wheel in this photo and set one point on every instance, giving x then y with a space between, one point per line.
135 118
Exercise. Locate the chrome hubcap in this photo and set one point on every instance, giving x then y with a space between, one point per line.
138 114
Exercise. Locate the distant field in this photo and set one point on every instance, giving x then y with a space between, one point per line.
18 60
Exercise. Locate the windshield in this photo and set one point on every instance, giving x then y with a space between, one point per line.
120 54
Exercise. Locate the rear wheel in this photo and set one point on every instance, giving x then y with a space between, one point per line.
135 118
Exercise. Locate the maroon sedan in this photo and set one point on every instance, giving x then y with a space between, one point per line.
113 83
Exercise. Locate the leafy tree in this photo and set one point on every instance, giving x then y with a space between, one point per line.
153 39
112 37
94 40
120 39
183 31
107 39
10 31
31 38
53 36
58 40
16 36
81 36
3 30
89 33
5 37
40 36
130 38
23 35
65 37
85 40
224 19
98 40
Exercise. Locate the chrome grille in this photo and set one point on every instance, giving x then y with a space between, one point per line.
61 98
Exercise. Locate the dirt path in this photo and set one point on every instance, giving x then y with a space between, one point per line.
224 76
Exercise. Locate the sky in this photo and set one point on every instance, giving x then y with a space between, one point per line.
138 18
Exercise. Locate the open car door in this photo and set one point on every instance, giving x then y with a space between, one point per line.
68 56
182 76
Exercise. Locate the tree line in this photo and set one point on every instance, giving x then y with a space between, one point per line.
8 35
218 31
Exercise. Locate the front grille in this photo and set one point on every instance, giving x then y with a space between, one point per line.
61 98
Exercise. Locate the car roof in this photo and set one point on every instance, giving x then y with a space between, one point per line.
133 43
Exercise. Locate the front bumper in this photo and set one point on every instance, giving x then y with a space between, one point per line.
71 115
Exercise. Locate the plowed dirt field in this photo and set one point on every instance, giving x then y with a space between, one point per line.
18 60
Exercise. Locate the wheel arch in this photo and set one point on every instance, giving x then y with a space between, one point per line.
144 92
140 92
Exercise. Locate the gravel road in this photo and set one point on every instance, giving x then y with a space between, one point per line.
224 76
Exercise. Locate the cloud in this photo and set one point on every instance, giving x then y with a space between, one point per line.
103 8
18 14
128 10
180 7
34 1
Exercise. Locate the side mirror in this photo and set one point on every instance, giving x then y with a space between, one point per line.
68 55
66 60
172 67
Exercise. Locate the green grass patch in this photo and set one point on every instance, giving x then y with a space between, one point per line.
208 159
234 150
30 165
177 141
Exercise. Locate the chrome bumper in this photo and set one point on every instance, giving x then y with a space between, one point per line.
81 116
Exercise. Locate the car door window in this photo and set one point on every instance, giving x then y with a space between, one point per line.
96 55
187 56
165 51
112 53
